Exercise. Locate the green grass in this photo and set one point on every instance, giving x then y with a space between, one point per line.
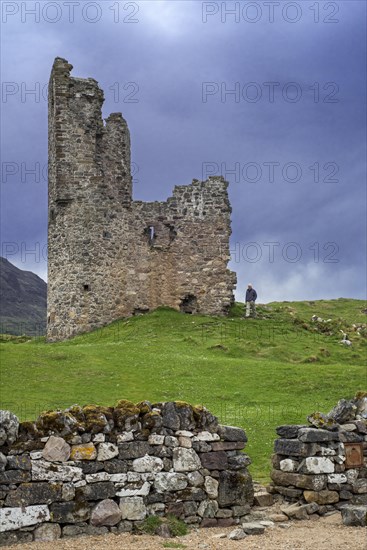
254 373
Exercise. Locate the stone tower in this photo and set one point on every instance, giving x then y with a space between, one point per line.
109 256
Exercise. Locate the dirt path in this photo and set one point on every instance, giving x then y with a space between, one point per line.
324 534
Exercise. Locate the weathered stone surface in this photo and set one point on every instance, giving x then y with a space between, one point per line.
211 487
169 481
195 478
133 508
302 481
134 489
47 532
234 489
115 466
288 465
34 493
337 478
237 534
253 528
16 518
321 497
9 477
96 491
232 433
263 499
206 436
314 435
355 515
215 460
106 451
105 512
208 508
69 512
18 462
228 445
148 464
56 450
289 431
3 462
243 510
295 511
46 471
317 465
360 486
344 410
85 451
239 462
100 476
185 460
293 447
9 426
135 449
290 492
155 439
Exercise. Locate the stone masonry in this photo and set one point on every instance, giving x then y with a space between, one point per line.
317 467
108 255
94 469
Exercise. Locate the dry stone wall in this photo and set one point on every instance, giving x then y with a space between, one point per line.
92 469
108 255
322 466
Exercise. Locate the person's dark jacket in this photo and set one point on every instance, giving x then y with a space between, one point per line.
251 295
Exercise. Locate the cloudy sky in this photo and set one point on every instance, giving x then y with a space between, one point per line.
270 94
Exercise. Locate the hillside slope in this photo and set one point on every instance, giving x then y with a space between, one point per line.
254 373
23 299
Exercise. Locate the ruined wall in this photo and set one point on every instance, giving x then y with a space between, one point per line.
96 469
322 466
110 256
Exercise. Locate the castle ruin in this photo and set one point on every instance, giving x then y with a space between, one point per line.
110 256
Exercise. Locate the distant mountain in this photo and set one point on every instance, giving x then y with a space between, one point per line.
23 301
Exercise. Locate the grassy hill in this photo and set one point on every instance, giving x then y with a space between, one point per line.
254 373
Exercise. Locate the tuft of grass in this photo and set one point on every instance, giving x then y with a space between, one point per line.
177 527
249 372
150 524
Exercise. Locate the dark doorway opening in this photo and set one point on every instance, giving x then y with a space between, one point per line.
189 304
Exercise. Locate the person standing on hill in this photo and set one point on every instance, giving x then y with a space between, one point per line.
251 296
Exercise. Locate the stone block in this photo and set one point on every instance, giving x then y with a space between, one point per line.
289 431
215 460
235 488
96 491
321 497
47 532
315 435
56 450
17 518
355 515
106 451
18 462
85 451
185 460
69 512
34 493
47 471
316 465
253 528
106 513
231 433
133 508
301 481
148 464
169 481
293 447
208 508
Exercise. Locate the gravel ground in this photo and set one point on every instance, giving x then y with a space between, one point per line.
323 534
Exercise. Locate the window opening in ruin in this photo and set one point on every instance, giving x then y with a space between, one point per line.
189 304
86 288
